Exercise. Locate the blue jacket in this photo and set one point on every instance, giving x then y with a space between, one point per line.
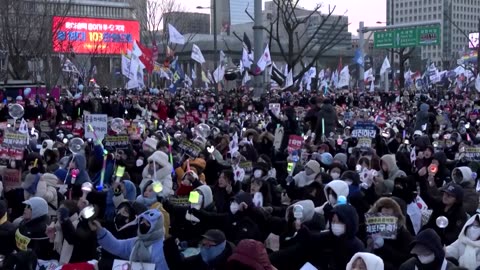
123 248
81 164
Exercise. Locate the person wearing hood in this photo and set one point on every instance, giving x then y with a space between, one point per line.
464 177
466 250
450 206
287 227
386 176
326 118
365 261
51 160
31 232
405 193
244 221
147 247
151 200
443 173
423 117
330 249
428 253
77 176
332 190
123 226
395 251
297 183
214 253
197 165
44 186
224 190
186 225
250 255
159 169
190 181
7 231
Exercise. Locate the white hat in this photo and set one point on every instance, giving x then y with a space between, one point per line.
151 142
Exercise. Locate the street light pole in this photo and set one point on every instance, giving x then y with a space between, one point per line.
258 41
214 11
361 73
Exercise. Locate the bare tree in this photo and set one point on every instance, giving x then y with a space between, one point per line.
303 36
26 32
403 54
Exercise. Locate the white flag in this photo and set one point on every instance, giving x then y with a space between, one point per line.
197 54
368 75
219 73
245 79
372 86
385 66
289 79
246 62
136 50
344 78
194 75
265 60
188 81
175 36
23 127
222 57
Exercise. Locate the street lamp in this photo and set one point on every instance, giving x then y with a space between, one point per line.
214 22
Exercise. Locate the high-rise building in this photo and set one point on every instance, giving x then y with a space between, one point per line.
237 11
458 18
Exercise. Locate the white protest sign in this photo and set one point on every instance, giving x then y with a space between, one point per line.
99 124
275 108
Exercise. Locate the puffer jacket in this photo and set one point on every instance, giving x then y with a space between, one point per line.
422 117
46 190
465 250
162 174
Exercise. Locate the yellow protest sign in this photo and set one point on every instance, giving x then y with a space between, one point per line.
21 240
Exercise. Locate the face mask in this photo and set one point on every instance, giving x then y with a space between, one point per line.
332 200
139 162
426 259
143 228
473 232
120 221
210 253
338 229
234 207
335 175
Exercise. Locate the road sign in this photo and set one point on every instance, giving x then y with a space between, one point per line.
407 37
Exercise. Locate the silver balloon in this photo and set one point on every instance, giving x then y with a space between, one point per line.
16 111
117 124
442 222
76 145
202 130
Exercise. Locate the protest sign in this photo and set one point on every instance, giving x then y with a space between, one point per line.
190 149
11 179
378 224
295 142
113 143
99 123
15 140
364 130
364 143
121 264
247 166
275 108
472 153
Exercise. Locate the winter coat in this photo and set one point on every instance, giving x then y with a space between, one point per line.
340 188
7 238
470 195
46 189
422 117
372 262
252 255
35 229
329 115
324 250
465 250
222 199
394 251
386 187
163 174
82 239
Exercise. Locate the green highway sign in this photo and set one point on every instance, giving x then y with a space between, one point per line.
407 37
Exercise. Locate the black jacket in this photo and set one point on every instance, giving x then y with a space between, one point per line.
395 251
7 238
35 230
83 239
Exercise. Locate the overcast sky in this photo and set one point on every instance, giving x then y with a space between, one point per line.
369 11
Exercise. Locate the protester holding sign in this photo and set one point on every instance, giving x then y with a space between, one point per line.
393 246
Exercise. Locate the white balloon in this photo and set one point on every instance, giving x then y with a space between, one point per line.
16 111
80 87
202 130
442 222
117 124
76 145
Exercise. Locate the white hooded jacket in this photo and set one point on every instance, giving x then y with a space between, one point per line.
466 251
163 174
340 188
373 262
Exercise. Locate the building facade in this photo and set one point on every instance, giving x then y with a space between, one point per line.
237 11
458 18
188 22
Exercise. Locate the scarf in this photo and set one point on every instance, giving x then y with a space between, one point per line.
61 245
141 248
